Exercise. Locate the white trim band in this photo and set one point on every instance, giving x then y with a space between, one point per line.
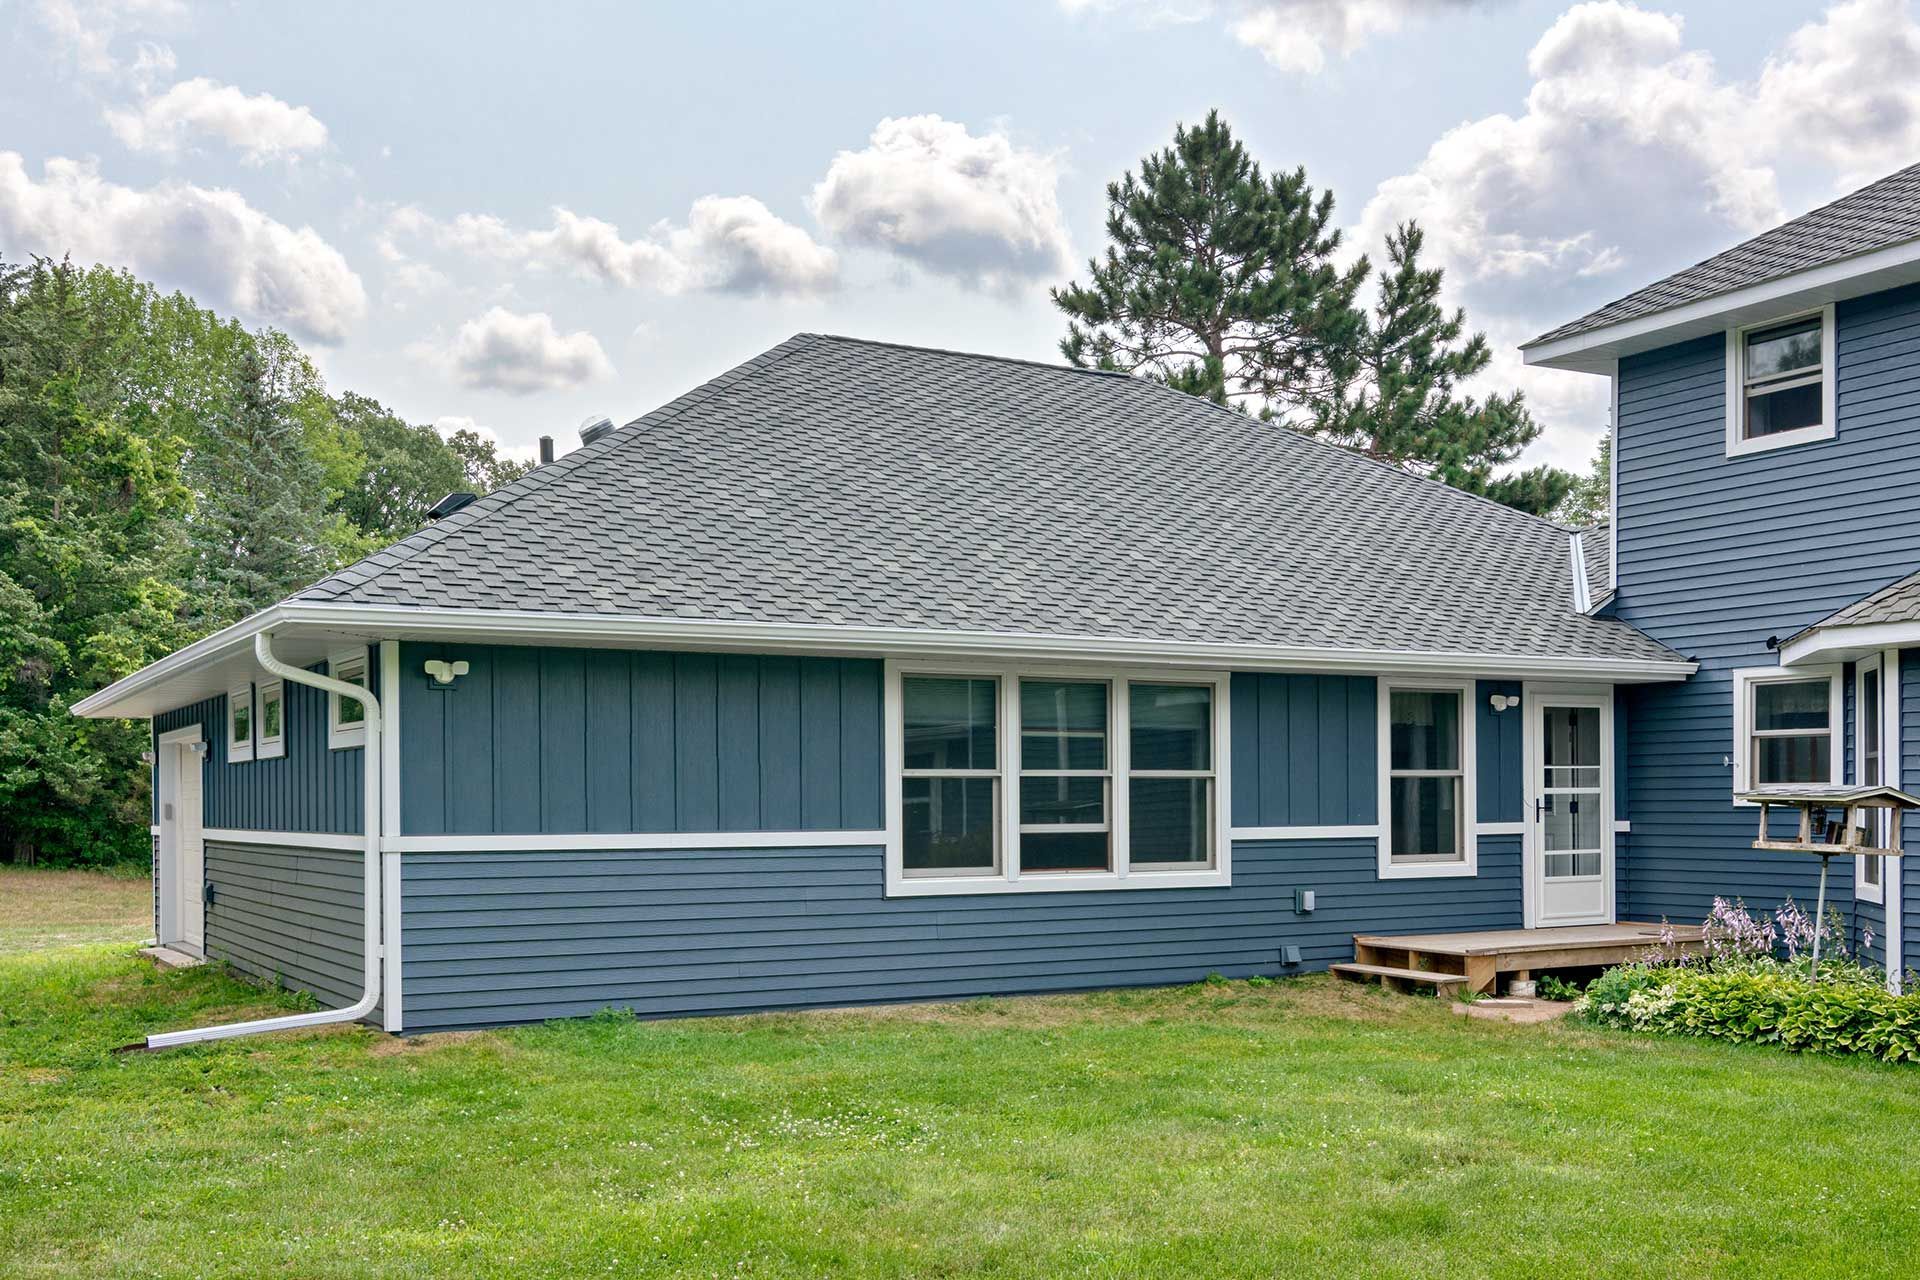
353 843
636 842
1359 831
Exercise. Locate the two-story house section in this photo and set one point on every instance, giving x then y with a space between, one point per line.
1766 523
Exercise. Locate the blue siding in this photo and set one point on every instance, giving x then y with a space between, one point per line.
311 788
492 938
1717 554
290 916
579 740
1500 746
1304 750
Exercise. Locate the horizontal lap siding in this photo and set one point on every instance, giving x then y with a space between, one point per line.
1717 554
311 788
289 915
492 938
567 741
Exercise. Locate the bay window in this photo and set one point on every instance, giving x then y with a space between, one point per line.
1010 779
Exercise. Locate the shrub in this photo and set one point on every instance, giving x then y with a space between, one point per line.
1847 1011
1552 987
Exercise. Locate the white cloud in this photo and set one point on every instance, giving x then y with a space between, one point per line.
729 244
1295 36
520 354
1634 156
448 423
260 126
84 31
209 242
975 208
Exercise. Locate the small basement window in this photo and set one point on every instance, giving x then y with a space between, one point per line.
347 717
1786 725
270 705
1780 386
1008 779
1426 781
240 723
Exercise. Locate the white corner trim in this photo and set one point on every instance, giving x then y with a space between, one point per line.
1357 831
1892 875
637 842
1469 863
1738 445
392 1007
1613 482
1582 592
355 843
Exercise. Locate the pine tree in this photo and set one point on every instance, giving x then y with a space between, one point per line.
1403 405
1219 280
1592 493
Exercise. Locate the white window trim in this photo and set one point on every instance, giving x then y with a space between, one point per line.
1009 878
1889 718
265 747
1469 863
342 663
1737 443
1745 678
241 752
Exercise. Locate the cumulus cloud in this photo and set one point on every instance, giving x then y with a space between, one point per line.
1296 36
729 244
974 208
260 126
520 354
84 32
209 242
1543 214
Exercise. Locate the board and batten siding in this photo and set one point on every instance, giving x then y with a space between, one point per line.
575 741
1716 554
291 916
311 788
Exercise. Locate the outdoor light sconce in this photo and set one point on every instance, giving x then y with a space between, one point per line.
1501 701
198 748
443 673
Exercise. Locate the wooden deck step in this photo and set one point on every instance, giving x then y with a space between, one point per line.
1440 982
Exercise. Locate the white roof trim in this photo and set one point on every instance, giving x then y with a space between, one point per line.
1595 350
500 626
1582 592
1845 643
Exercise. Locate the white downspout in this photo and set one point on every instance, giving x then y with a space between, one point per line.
370 893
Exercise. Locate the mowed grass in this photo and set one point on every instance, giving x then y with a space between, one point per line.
1301 1128
40 909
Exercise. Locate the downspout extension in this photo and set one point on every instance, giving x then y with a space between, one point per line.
370 892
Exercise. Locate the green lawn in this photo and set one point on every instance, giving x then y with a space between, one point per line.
1221 1130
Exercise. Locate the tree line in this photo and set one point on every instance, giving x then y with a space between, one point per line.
164 472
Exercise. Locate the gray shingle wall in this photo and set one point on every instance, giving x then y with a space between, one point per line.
1878 216
841 482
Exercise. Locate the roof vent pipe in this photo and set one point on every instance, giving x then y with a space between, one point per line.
594 427
546 450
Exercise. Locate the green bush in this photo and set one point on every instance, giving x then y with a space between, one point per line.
1762 1002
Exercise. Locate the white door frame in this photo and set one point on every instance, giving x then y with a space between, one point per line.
171 749
1533 854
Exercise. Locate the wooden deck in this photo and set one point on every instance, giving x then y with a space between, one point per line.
1482 957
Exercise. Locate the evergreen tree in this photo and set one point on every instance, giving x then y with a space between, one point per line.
1219 280
259 529
1402 404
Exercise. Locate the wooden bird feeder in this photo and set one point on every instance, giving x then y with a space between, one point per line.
1826 837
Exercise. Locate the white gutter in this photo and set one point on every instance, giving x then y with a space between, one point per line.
370 891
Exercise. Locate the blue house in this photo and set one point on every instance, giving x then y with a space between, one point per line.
867 672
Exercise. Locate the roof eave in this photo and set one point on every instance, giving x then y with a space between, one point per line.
1596 350
1846 642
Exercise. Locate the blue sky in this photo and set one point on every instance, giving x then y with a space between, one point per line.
490 215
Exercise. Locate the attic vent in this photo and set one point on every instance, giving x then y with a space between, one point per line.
448 505
594 427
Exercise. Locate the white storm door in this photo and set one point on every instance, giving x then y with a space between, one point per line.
1569 751
190 857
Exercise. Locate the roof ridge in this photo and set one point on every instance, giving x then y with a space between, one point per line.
967 355
399 553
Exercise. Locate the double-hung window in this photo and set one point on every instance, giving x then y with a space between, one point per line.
1780 385
1426 746
1786 727
1008 779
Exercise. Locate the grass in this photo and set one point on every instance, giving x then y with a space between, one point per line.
1220 1130
42 909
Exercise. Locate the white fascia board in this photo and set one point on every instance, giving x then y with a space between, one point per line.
136 694
1843 644
1595 350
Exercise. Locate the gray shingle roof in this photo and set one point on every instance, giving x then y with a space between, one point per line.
1599 559
856 483
1897 602
1875 217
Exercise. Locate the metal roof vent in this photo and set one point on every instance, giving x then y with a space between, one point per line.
449 504
595 426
